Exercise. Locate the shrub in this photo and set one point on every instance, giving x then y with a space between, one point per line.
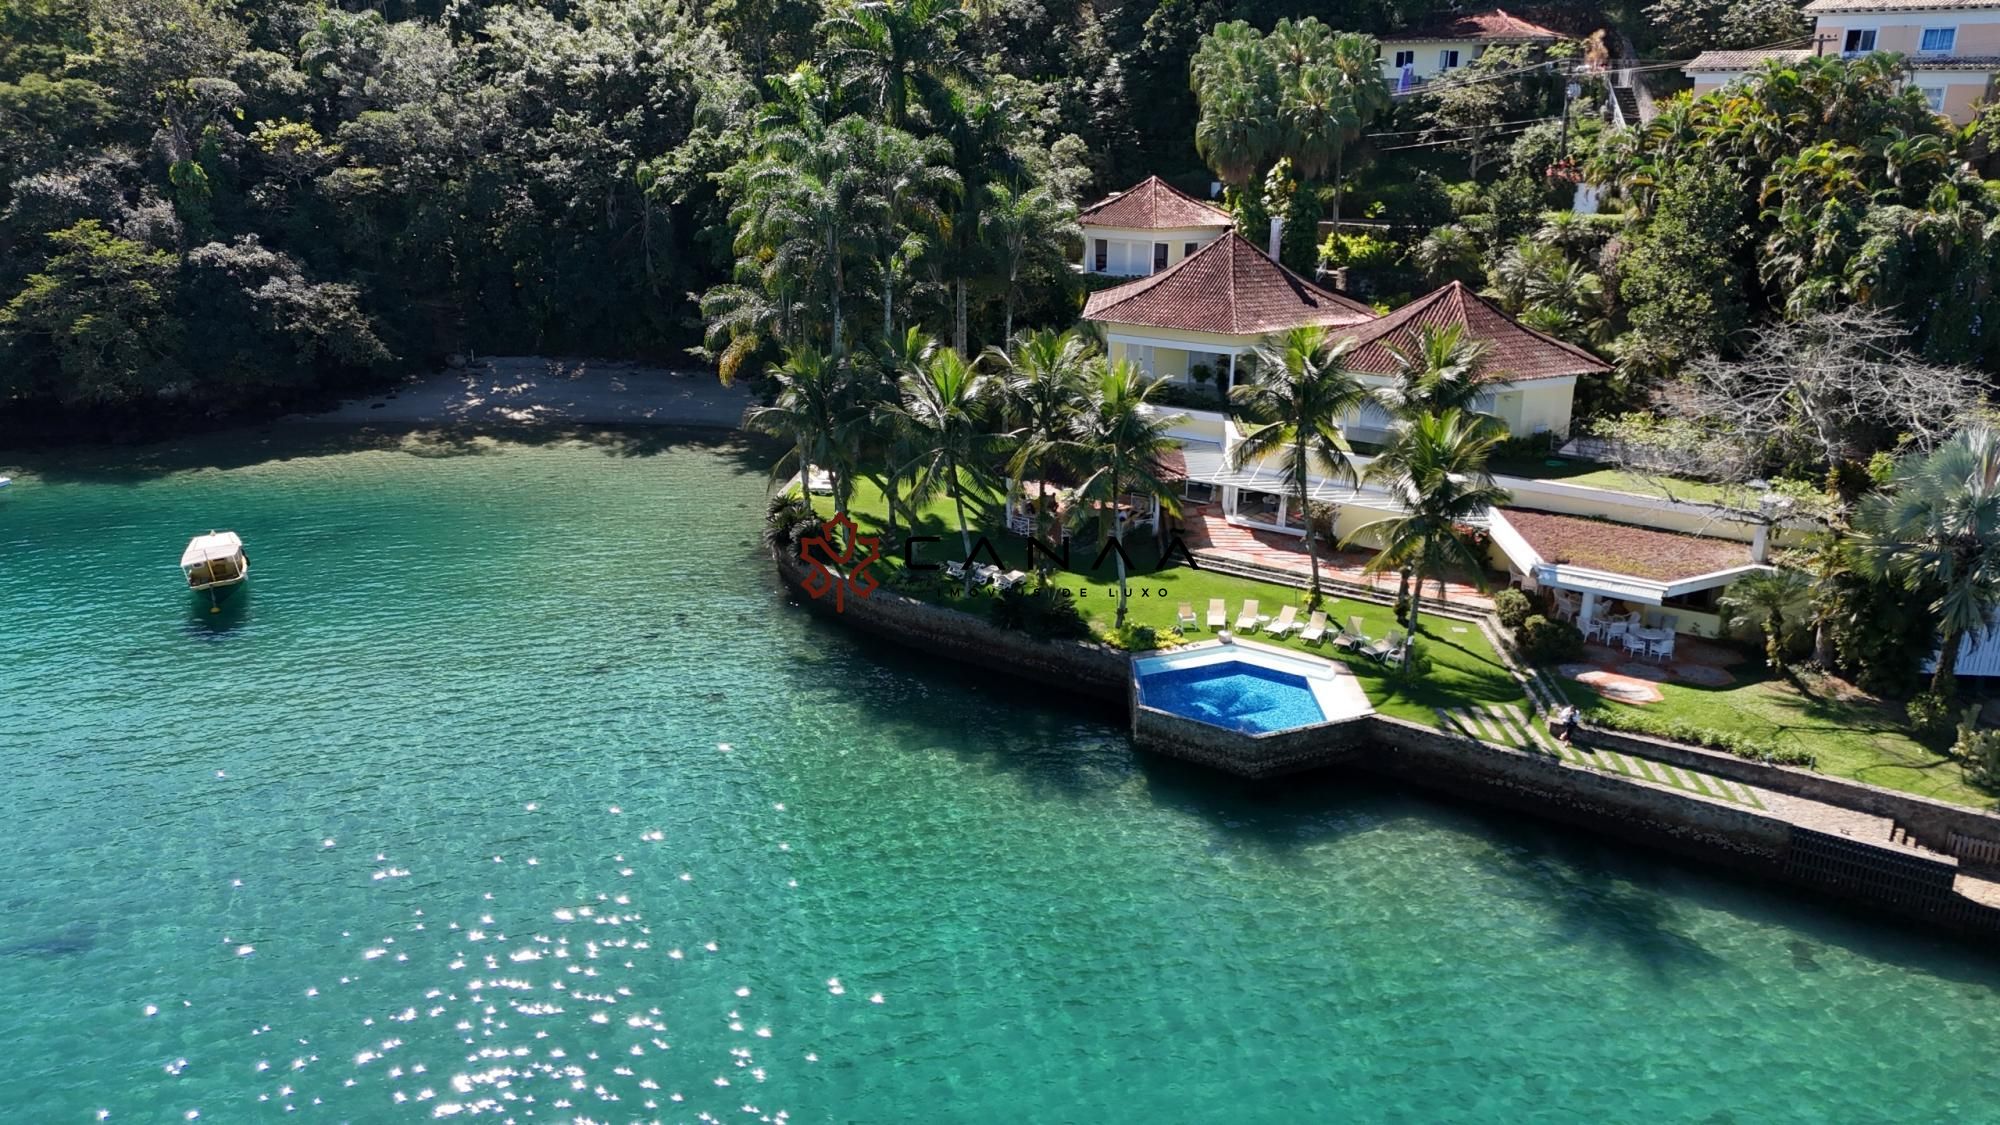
1549 642
1512 607
1040 609
1676 730
1980 751
1932 716
1138 638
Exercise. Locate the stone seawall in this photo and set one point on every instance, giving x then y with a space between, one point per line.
1680 822
1094 671
1931 823
1253 756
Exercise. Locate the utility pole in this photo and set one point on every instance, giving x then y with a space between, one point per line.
1570 90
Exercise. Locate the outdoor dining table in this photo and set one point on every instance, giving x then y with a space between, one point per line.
1651 635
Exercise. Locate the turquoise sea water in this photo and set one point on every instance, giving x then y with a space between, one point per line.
511 787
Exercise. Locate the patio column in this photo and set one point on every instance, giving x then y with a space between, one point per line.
1232 371
1589 609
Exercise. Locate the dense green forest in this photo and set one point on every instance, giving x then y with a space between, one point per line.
211 208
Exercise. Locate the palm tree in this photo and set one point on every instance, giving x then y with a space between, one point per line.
1442 369
1120 440
1357 62
895 357
1041 394
1937 530
1299 391
941 408
1437 467
910 180
1765 600
891 49
1016 223
816 411
1235 83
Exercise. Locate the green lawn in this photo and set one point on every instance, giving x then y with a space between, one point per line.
1463 665
1859 740
1594 475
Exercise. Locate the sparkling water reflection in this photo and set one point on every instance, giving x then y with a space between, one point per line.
513 790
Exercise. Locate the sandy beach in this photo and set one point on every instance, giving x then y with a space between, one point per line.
536 390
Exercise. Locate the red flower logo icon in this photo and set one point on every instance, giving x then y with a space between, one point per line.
838 544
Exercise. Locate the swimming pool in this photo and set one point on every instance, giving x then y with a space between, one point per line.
1234 694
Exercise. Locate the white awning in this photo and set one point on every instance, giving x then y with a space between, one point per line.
214 545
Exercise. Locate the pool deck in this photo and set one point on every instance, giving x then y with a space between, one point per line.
1339 694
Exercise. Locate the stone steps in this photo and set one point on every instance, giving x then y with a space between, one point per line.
1505 725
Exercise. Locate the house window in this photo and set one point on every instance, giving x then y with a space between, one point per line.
1447 60
1858 42
1143 357
1405 58
1159 256
1198 491
1102 254
1934 97
1940 39
1188 249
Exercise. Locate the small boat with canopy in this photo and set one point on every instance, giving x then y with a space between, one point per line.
214 562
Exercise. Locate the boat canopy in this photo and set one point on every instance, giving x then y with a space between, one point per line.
214 545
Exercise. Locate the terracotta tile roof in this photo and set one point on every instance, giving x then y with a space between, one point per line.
1153 204
1953 62
1494 26
1515 353
1741 60
1618 548
1229 287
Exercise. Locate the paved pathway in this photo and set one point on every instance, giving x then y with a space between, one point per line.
1208 532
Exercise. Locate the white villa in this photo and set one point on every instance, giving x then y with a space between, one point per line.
1432 50
1595 546
1951 46
1147 229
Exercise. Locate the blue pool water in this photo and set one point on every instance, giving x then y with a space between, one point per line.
1233 694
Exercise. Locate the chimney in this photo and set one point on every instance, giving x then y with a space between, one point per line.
1277 232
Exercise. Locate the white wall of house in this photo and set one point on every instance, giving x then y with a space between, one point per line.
1129 252
1428 58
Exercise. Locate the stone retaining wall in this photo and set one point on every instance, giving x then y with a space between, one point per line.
1244 754
1096 671
1931 823
1694 826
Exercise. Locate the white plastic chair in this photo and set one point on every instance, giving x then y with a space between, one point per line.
1662 650
1614 631
1592 627
1635 645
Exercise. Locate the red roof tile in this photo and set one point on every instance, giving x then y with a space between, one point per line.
1618 548
1515 353
1494 26
1153 205
1229 287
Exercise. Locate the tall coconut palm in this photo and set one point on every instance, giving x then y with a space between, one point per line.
891 49
1937 530
815 409
908 354
1437 467
1442 369
1016 222
910 184
1357 63
942 409
1041 393
1768 600
1119 441
1299 391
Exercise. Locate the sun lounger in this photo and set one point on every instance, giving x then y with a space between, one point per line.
1382 649
954 570
1010 579
1286 622
819 480
1246 622
1315 630
1218 613
1186 616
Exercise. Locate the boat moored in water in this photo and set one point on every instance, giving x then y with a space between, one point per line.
214 561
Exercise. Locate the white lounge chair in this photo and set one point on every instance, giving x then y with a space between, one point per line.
1010 580
819 480
1246 622
1391 645
1286 622
1185 617
954 570
1218 613
1315 630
